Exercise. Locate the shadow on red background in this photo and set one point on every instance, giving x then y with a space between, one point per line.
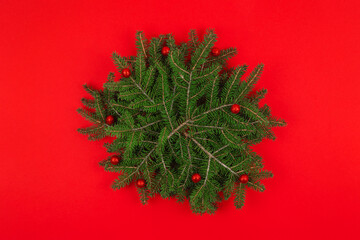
51 186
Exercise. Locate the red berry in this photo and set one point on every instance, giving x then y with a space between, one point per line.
126 72
196 178
110 120
115 160
235 108
244 178
165 51
215 51
140 183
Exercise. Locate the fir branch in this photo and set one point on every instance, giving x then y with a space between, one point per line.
140 65
176 64
167 170
213 91
178 84
237 120
254 76
240 163
181 150
276 122
241 145
178 127
119 184
134 103
149 177
182 77
239 195
188 97
144 195
224 55
99 108
141 42
173 100
136 129
206 139
213 109
150 73
221 128
205 181
209 73
257 186
88 115
189 165
122 64
238 72
142 90
261 175
223 147
163 99
193 39
90 90
90 103
256 114
154 49
122 106
201 52
212 156
201 91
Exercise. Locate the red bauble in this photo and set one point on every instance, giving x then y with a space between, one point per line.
115 160
140 183
235 108
110 120
126 72
215 51
244 178
196 178
165 51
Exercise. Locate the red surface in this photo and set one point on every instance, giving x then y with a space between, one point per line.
51 186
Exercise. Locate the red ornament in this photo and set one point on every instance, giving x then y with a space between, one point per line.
115 160
244 178
215 51
196 178
235 108
110 120
126 72
140 183
165 51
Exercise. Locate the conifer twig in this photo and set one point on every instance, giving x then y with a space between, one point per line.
210 155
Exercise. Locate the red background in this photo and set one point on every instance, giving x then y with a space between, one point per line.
51 186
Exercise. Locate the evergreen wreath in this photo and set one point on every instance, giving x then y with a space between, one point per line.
183 122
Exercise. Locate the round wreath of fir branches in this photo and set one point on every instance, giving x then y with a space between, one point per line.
183 122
